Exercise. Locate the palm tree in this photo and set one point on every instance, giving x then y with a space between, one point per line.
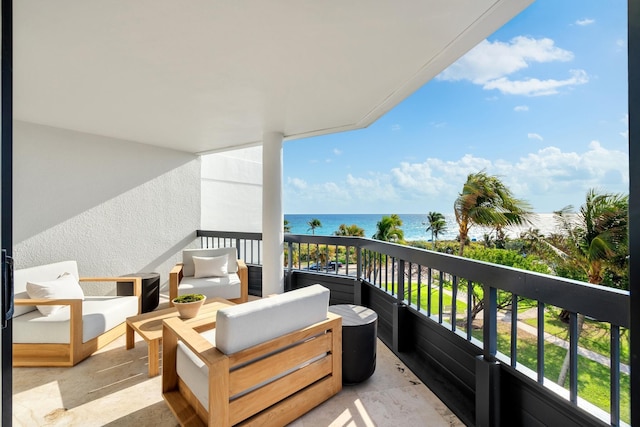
286 226
349 230
485 200
437 225
388 229
313 224
596 240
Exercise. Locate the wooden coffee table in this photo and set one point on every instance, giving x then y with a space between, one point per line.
149 327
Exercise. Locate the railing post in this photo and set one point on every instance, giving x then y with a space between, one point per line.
288 278
487 367
359 262
357 292
357 284
487 392
401 339
400 289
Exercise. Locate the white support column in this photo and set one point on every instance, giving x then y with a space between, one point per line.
272 215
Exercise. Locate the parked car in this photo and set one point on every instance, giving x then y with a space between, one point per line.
332 265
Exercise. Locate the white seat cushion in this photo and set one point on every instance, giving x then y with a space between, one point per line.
100 314
224 287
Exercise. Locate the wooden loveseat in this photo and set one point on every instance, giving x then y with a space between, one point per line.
264 363
211 272
63 326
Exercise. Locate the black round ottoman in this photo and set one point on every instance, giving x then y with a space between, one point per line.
359 339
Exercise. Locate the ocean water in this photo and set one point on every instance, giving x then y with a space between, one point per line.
413 225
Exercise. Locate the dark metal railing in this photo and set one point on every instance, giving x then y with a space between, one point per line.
453 291
248 245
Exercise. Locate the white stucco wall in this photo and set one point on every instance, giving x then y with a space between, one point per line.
115 206
232 190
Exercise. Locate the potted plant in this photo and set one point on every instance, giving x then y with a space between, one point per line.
188 305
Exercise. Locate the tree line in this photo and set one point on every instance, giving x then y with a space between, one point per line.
591 246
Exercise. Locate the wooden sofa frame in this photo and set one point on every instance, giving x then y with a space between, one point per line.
176 274
275 404
62 354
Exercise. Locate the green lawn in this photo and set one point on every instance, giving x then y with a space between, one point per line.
594 336
461 307
593 378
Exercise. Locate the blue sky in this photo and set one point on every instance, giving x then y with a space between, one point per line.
542 103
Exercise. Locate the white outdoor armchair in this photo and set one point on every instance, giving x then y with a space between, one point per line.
54 324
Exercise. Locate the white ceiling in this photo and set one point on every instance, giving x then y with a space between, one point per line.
206 75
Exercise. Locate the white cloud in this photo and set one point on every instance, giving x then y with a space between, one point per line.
377 187
395 127
492 60
521 108
489 64
625 120
297 183
561 172
535 136
548 178
584 22
435 176
337 151
536 87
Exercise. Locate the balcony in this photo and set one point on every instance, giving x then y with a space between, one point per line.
112 388
477 372
132 167
429 365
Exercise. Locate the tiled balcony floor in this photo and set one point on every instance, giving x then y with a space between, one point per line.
112 388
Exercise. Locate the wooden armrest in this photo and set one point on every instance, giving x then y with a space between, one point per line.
243 274
175 276
177 268
202 348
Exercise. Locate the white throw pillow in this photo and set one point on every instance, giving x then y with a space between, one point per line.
64 287
210 266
